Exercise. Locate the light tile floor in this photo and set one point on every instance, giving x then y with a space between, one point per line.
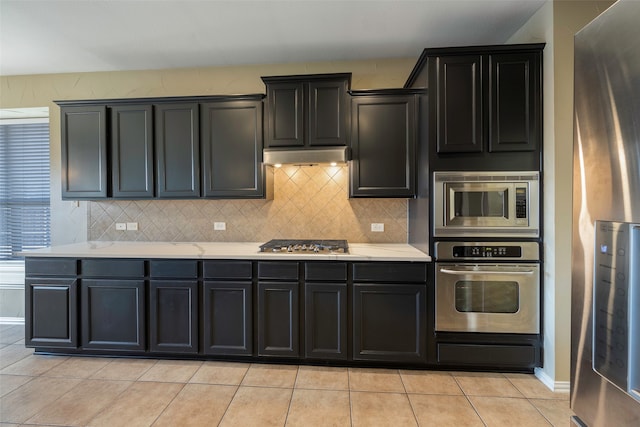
93 391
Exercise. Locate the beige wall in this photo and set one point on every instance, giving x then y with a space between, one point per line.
70 221
556 23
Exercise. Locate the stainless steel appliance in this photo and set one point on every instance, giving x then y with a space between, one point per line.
616 305
306 246
486 204
487 287
605 325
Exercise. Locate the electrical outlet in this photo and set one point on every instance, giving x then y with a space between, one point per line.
377 226
132 226
220 226
121 226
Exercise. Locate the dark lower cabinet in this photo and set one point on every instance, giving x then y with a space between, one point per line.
113 315
325 321
278 319
389 322
227 318
51 315
173 316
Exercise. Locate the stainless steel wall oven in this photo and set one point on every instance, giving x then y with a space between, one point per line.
487 287
486 204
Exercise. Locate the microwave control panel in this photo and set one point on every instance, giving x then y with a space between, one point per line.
521 202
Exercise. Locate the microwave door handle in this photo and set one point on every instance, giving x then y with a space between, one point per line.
469 272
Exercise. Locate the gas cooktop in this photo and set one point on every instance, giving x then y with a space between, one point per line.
306 246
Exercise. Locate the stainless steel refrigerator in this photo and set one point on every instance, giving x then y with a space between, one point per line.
605 302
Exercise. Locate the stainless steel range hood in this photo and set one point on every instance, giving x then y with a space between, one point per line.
306 156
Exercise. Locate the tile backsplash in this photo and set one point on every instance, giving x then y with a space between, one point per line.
309 202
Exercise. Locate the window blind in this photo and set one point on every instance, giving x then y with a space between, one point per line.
24 188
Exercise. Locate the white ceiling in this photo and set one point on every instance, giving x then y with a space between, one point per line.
59 36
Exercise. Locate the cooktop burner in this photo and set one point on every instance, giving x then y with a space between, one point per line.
306 246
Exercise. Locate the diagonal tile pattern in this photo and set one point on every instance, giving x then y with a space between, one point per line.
309 202
40 390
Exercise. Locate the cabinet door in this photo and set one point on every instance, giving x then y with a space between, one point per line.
132 151
84 152
177 150
227 312
113 314
285 115
326 321
173 316
383 143
278 319
459 104
389 322
51 315
514 112
328 111
232 149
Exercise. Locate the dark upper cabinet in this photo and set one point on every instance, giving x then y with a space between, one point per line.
132 151
383 143
485 106
307 110
231 142
83 131
459 104
177 150
514 102
167 148
498 92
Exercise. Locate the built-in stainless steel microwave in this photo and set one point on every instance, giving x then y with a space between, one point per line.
486 204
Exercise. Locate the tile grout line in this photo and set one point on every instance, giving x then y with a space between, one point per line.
406 393
234 394
350 400
291 397
469 400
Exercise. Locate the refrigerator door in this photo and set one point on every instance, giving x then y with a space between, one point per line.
606 187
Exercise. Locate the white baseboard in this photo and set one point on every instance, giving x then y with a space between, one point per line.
11 320
555 386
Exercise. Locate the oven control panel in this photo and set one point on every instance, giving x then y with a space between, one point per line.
517 251
487 251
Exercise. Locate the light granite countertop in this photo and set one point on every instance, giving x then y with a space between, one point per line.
224 250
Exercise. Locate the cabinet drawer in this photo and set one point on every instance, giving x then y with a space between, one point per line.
112 268
389 272
51 267
326 271
487 355
173 269
278 270
227 270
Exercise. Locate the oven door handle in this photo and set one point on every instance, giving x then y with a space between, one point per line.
469 272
